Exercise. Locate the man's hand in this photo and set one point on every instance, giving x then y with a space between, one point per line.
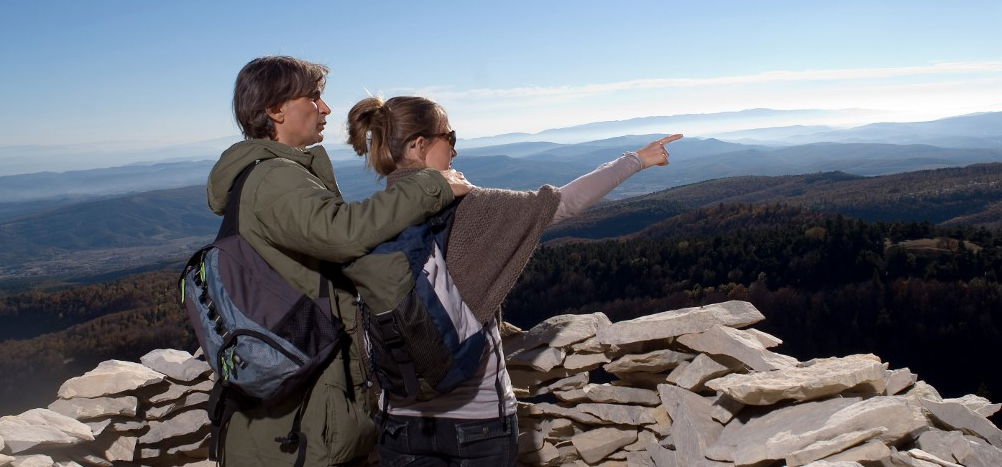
460 185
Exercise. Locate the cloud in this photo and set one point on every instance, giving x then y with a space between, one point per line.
777 76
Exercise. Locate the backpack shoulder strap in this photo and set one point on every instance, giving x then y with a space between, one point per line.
231 216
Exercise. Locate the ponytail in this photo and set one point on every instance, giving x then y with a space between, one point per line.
378 130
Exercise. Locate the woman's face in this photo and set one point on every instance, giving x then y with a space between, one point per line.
441 147
300 122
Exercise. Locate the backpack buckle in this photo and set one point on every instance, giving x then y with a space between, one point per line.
289 442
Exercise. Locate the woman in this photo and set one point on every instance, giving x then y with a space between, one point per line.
293 215
492 237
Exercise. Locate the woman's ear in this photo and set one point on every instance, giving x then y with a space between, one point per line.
420 144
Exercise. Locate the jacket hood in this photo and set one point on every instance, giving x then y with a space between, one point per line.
244 153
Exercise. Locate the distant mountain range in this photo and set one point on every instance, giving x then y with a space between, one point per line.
982 130
752 126
527 165
128 232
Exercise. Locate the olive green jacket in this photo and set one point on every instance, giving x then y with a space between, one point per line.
292 213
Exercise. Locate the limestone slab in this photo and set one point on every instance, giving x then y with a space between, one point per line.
925 456
575 381
195 449
41 427
539 358
977 404
700 370
82 408
562 331
547 409
595 445
662 428
894 417
6 460
767 340
194 399
641 380
662 457
723 407
692 426
122 449
822 378
650 362
981 454
870 451
109 378
585 361
639 459
545 455
98 427
176 391
746 437
534 380
184 423
176 364
899 380
955 416
678 322
824 463
944 444
621 395
924 390
643 439
592 345
693 433
826 447
619 414
737 344
34 460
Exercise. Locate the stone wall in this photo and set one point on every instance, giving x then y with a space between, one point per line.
120 413
690 387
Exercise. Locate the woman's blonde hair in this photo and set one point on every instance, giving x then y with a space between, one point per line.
379 130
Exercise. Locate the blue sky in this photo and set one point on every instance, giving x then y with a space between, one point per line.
144 72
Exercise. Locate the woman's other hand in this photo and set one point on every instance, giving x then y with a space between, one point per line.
460 185
656 153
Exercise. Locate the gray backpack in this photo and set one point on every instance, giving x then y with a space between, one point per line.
263 338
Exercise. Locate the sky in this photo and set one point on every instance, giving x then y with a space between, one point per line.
131 72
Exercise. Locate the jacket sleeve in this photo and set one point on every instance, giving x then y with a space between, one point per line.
296 212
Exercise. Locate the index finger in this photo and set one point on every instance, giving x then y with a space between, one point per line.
669 139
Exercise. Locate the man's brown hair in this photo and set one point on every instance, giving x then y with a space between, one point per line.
266 83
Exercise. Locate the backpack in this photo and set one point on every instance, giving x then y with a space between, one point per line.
421 340
263 338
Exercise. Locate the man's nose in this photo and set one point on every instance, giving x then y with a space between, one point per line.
324 108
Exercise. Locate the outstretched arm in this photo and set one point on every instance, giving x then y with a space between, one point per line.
587 189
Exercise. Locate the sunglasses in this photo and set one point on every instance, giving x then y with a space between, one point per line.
450 136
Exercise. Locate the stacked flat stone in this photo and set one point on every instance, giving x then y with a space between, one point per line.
689 387
120 413
695 387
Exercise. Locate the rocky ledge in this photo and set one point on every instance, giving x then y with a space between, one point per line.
689 387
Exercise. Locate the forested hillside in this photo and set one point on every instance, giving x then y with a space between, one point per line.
919 295
969 195
84 326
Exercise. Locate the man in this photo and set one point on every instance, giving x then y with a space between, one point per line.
292 213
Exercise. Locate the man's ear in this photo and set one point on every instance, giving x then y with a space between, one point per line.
277 113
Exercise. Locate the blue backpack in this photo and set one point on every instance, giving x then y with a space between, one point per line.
264 339
421 339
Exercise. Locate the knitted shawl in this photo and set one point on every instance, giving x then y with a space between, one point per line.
493 236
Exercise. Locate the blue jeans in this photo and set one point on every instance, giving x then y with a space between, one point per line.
428 441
